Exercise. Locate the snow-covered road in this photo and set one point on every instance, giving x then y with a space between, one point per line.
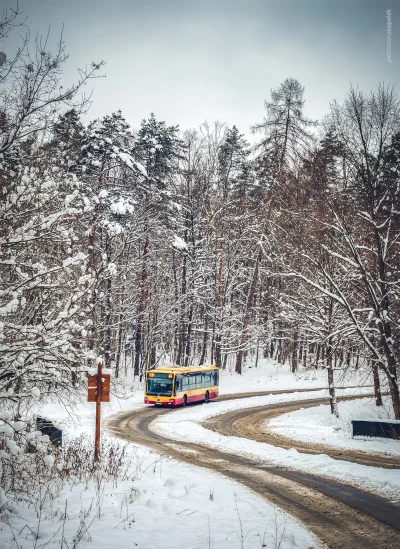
340 516
185 425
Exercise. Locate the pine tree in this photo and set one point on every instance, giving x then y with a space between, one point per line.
286 131
159 148
69 138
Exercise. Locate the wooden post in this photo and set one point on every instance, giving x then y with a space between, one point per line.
98 412
98 392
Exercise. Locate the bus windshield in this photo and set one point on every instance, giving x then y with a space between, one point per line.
159 386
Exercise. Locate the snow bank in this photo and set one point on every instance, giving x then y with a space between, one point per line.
317 425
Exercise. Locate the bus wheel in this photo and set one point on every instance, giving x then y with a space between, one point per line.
207 398
184 401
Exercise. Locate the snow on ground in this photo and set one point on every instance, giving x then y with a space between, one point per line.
164 502
318 425
78 418
272 376
161 502
185 425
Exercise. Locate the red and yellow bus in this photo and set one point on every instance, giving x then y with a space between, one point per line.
179 386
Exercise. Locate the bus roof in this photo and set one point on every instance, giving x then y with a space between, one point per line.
183 370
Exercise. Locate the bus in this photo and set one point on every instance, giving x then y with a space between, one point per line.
179 386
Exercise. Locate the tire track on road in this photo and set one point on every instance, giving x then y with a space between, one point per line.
342 517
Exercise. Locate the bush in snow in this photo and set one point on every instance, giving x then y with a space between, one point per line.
25 458
32 471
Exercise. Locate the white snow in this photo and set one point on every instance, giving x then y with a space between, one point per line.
318 425
161 502
49 461
185 425
167 503
112 269
10 307
179 244
131 163
35 391
272 376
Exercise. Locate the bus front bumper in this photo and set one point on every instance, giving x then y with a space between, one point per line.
167 402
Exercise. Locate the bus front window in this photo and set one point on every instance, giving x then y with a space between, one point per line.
159 386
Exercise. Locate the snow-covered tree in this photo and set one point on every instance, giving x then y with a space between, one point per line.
44 283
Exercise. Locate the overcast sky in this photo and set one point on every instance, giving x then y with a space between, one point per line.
194 60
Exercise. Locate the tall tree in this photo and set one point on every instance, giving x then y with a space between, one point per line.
158 147
286 130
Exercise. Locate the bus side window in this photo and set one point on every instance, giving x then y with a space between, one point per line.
185 382
199 382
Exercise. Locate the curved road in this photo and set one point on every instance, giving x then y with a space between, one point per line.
341 516
251 423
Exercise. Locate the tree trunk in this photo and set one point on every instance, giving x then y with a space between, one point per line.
246 320
205 337
119 345
394 393
305 356
317 356
331 385
301 351
176 327
218 361
257 353
329 352
108 315
182 323
377 384
188 336
141 309
295 352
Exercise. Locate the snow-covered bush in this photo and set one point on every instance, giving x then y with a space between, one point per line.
77 460
32 470
26 459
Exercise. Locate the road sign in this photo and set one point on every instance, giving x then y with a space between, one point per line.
105 388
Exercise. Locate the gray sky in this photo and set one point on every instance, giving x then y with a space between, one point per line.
194 60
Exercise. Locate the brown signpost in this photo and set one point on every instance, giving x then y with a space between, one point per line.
98 392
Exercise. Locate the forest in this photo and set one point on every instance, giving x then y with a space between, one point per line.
158 245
